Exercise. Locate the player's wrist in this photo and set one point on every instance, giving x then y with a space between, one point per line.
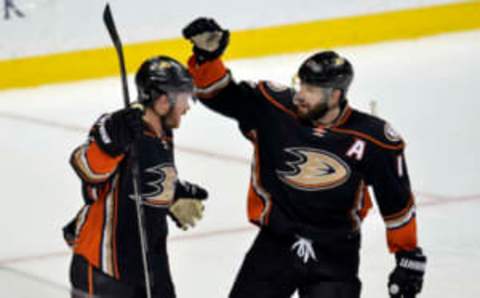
413 260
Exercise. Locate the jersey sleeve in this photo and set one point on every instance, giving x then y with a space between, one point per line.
388 175
91 161
217 90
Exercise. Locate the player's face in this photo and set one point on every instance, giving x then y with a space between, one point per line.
312 102
182 105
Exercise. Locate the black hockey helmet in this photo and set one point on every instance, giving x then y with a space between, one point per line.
328 70
161 75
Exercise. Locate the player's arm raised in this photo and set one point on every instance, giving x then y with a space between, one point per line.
215 86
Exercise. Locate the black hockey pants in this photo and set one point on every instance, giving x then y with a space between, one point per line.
271 269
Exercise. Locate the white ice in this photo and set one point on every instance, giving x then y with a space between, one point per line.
427 88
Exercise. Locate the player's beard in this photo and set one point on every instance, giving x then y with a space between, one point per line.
318 111
315 113
170 120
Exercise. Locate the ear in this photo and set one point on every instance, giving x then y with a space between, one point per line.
161 105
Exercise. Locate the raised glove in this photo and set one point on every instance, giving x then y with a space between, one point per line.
208 38
188 207
406 279
114 133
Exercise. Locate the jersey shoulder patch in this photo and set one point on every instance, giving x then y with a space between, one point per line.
373 129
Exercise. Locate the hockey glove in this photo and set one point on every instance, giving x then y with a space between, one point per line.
184 189
116 132
186 212
188 207
208 38
407 278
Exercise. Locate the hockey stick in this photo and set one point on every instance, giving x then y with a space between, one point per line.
117 43
112 30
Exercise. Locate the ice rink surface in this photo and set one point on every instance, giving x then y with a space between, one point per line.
427 88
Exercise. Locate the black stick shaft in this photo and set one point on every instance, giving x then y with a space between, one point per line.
110 24
112 30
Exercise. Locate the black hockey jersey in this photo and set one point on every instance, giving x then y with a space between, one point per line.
312 181
106 227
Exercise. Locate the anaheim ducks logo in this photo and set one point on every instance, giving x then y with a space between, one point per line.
314 170
158 185
162 65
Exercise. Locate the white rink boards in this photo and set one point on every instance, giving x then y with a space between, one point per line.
427 88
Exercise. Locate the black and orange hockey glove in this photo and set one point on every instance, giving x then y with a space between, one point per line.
208 38
406 280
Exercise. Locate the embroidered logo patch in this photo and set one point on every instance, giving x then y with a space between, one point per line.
314 170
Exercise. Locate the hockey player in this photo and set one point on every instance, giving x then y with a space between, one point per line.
314 158
107 260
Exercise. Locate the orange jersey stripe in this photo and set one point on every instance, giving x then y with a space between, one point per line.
367 203
259 201
403 238
344 117
274 101
90 280
361 206
90 238
402 212
347 112
208 73
369 138
255 206
99 161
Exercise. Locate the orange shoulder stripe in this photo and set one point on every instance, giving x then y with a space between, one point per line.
367 137
274 101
